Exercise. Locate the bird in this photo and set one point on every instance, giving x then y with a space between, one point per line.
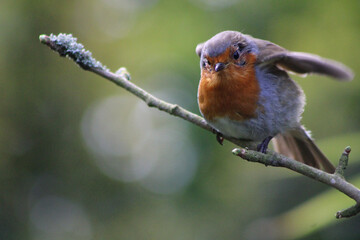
245 92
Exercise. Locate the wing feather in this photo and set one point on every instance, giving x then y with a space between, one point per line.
301 63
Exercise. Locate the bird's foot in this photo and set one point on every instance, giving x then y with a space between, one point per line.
219 137
263 146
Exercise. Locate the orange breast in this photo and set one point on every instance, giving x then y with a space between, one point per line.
232 92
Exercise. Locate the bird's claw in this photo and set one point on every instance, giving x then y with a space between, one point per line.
219 137
263 146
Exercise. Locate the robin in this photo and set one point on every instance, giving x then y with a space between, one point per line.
245 92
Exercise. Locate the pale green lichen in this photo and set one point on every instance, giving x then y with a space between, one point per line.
66 45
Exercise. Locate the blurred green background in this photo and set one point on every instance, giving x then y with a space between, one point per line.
83 159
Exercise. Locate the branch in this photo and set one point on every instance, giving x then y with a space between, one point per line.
335 180
66 45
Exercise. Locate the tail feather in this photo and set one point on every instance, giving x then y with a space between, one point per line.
297 144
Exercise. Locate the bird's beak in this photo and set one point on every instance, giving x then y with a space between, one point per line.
219 66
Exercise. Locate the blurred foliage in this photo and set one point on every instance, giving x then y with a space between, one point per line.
82 159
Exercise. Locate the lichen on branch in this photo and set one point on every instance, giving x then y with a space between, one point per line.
67 45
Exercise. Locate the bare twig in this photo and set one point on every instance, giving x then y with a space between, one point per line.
66 45
335 180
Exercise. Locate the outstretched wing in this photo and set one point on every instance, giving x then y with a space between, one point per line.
301 63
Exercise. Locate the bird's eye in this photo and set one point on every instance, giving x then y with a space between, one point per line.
236 55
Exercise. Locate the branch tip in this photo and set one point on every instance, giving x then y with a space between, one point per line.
43 38
347 150
348 212
236 151
343 162
66 45
240 152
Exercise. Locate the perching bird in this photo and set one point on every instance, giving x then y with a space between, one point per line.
245 92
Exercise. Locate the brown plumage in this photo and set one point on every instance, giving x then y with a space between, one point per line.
238 90
246 93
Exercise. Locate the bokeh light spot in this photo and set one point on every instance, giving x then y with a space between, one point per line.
131 142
